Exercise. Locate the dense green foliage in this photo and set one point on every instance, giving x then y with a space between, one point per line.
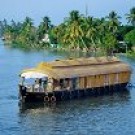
131 16
130 37
75 32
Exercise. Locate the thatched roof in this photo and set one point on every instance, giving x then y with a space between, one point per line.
82 61
81 67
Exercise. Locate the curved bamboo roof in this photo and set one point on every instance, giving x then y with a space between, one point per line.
81 62
81 67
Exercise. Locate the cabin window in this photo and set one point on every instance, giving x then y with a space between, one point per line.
88 82
55 83
67 83
82 82
61 83
98 80
74 83
85 82
44 83
116 78
106 80
50 84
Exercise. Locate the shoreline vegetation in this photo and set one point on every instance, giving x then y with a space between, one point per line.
77 32
131 54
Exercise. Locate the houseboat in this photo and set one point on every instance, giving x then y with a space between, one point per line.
73 78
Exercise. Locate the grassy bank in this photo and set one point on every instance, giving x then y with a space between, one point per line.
130 54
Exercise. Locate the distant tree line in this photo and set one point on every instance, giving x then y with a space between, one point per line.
76 32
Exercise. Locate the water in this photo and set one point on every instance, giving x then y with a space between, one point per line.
95 116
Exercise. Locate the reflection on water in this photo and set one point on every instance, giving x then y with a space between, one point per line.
98 115
87 102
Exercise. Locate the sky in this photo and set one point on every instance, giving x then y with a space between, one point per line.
57 10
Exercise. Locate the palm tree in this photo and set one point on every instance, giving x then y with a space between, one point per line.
47 23
27 32
74 32
1 28
28 22
112 25
5 24
113 21
87 24
13 24
110 42
58 33
91 32
14 29
44 27
8 33
131 16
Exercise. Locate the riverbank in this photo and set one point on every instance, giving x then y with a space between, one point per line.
51 47
91 51
130 54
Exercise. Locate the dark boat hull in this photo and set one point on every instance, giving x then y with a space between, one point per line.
68 94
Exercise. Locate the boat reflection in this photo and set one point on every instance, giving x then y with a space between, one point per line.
117 98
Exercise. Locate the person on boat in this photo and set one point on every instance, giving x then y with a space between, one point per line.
36 86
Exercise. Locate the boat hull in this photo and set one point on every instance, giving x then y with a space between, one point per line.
62 95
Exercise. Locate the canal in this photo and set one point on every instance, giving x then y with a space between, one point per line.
109 114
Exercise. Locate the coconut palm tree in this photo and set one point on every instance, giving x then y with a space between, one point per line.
74 30
13 24
58 34
44 27
87 24
112 25
1 28
28 22
110 42
8 33
131 16
113 21
5 24
91 33
27 32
